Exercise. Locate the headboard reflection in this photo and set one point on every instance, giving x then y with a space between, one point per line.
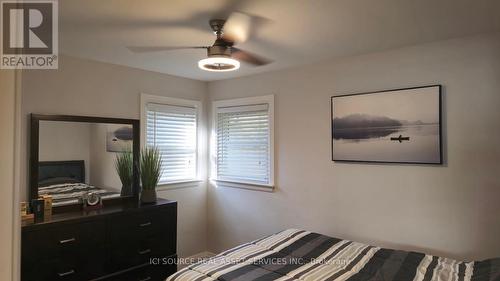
61 169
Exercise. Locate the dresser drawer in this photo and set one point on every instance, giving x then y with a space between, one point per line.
143 225
51 270
63 241
146 273
140 252
67 269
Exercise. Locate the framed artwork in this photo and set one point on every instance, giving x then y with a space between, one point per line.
119 138
393 126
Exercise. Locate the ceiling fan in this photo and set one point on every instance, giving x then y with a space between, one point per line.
222 55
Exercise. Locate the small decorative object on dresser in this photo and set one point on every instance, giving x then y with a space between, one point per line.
150 173
24 208
47 205
91 201
25 216
38 208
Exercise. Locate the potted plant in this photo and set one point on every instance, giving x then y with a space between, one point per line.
150 173
123 164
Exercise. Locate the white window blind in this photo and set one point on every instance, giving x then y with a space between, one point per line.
172 129
243 144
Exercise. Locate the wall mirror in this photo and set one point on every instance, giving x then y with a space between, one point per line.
73 155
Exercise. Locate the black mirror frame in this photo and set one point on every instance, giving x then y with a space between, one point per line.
34 154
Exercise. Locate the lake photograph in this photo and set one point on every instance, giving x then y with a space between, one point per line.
398 126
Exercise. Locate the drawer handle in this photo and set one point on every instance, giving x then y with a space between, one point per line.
145 224
66 241
145 279
66 273
143 252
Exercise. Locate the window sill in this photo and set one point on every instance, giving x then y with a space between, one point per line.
244 185
178 185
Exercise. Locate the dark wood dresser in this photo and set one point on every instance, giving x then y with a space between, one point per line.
114 243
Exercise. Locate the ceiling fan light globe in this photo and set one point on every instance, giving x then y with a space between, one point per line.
219 64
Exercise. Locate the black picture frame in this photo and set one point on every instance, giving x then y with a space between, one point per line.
34 154
440 105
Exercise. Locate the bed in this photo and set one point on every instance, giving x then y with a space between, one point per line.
303 255
65 182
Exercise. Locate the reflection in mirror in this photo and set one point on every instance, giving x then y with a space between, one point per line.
78 157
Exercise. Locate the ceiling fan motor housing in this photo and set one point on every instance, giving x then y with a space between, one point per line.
219 59
219 51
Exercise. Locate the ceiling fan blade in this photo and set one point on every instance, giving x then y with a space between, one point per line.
237 27
249 57
146 49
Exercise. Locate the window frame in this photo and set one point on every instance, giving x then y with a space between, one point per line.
164 100
269 100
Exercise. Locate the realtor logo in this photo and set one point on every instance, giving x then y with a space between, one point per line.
29 35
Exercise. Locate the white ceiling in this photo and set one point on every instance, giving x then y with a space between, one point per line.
294 32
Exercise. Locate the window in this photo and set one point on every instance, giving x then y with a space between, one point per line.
171 125
244 141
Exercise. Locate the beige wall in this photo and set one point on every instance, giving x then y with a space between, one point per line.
452 210
83 87
7 171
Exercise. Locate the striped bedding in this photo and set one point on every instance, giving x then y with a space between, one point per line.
70 193
306 256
